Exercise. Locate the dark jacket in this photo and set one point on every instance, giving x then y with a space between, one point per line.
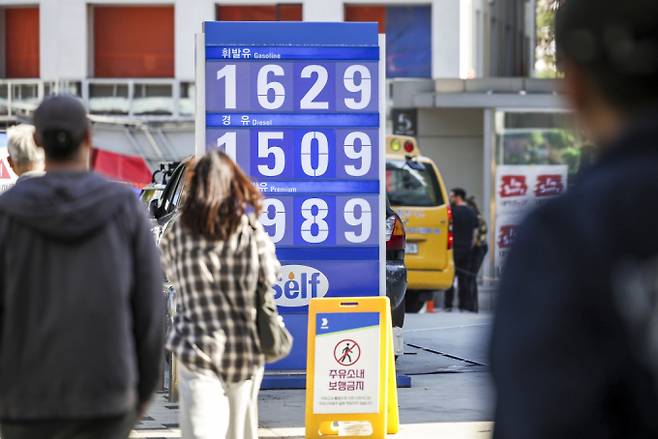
81 308
464 223
573 352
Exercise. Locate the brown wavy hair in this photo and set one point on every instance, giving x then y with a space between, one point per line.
218 194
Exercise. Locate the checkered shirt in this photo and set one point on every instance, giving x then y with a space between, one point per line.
216 284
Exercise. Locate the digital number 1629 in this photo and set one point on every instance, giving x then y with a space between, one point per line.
274 84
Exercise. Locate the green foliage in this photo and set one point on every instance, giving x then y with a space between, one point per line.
571 158
542 147
546 62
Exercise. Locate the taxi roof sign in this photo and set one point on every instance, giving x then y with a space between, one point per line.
404 146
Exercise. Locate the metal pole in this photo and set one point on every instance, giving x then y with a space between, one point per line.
175 94
200 102
382 159
10 92
489 196
162 381
40 90
170 357
173 378
131 97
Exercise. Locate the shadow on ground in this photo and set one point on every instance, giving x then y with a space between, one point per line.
446 358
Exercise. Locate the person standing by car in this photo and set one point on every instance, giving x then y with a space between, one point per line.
81 309
573 350
25 157
219 259
479 251
464 226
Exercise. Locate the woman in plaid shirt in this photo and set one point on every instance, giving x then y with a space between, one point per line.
218 257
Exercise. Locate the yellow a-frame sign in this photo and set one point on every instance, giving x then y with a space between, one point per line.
350 374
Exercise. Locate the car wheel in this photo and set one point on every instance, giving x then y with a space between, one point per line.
414 302
398 315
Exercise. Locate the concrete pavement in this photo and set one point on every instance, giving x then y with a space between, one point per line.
450 396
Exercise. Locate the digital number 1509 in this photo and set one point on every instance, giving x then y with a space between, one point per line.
315 153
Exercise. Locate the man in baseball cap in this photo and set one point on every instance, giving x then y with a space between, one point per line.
574 349
63 129
81 309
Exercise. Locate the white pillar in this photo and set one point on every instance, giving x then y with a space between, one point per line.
64 39
189 16
531 33
323 10
452 38
489 187
2 44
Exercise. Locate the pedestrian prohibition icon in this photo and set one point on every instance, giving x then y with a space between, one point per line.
347 352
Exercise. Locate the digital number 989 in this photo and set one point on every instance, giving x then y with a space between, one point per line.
321 220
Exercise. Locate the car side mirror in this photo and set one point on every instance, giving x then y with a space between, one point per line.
153 207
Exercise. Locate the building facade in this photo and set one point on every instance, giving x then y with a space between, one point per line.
460 67
74 39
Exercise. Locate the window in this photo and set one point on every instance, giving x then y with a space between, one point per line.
133 41
367 13
408 37
412 184
528 139
278 12
21 42
545 56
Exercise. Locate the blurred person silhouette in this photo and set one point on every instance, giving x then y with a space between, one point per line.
478 252
574 350
220 258
588 154
81 308
25 157
464 226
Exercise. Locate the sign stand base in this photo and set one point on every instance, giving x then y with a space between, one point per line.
351 380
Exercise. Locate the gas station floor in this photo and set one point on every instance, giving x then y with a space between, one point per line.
450 394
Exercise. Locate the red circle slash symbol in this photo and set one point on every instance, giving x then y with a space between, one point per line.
347 352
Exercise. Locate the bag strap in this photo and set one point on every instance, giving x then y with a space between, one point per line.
260 292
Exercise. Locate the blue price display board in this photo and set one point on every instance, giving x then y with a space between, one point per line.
298 106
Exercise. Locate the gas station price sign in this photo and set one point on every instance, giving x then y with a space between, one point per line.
298 106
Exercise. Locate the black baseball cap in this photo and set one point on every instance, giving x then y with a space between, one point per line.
60 124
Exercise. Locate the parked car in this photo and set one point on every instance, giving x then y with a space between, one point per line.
396 271
166 206
151 192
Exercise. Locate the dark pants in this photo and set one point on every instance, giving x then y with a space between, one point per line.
117 427
477 257
464 283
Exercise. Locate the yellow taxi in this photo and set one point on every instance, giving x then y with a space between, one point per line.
417 193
